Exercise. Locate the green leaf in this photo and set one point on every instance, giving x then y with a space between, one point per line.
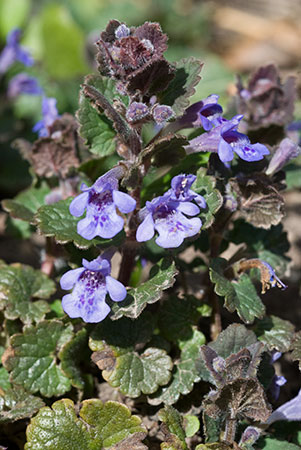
191 425
275 333
16 404
163 148
185 373
267 443
32 358
240 295
212 428
162 276
101 425
73 355
173 421
4 379
205 186
124 367
95 128
55 220
62 43
214 446
296 347
19 285
267 245
182 86
177 316
26 204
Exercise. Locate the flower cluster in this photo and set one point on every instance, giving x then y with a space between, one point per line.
167 214
90 285
100 202
139 112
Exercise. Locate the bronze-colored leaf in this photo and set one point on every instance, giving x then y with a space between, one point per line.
259 201
57 154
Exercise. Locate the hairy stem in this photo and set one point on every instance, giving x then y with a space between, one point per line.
230 430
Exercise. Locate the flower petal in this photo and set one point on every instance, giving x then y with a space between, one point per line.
87 228
225 151
78 205
251 152
116 290
69 278
124 202
188 208
109 223
146 229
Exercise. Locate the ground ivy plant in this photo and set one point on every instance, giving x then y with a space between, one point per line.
146 325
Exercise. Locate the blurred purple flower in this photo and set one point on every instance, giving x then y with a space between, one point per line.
286 151
100 201
23 84
14 52
49 113
249 436
90 285
225 139
180 190
166 216
288 411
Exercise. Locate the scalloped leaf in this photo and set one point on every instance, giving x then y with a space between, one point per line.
73 354
296 347
275 333
124 367
101 425
19 285
95 128
177 316
183 84
240 295
241 398
16 404
162 276
31 358
185 373
173 429
55 220
205 186
26 204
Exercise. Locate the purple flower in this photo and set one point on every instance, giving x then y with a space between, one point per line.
90 285
166 216
23 84
100 201
180 190
275 386
50 114
136 112
288 411
201 114
162 113
286 151
269 278
14 52
225 140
